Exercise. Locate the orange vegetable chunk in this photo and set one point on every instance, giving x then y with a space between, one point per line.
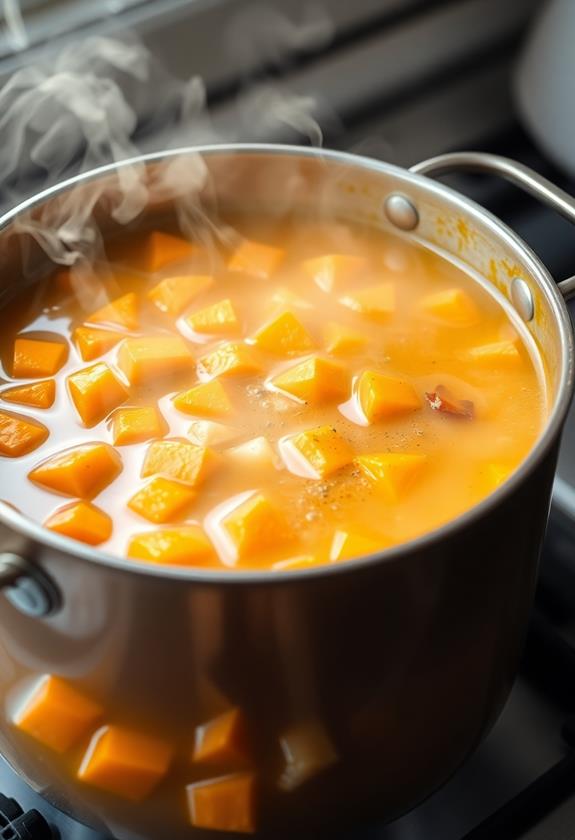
342 340
222 740
322 449
254 455
334 272
381 397
285 335
218 318
224 804
257 259
123 311
255 526
56 714
174 294
354 543
496 355
20 435
181 461
162 500
315 380
34 357
376 302
392 473
81 521
136 424
125 763
186 546
452 306
162 249
93 343
208 399
152 357
38 395
209 433
81 471
231 359
95 392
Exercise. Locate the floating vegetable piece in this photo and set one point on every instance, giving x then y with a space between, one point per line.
443 401
208 399
322 449
174 294
123 311
162 249
81 471
93 343
285 335
381 397
375 302
95 392
162 500
185 546
255 526
231 359
56 714
335 272
392 473
181 461
308 751
20 435
257 259
81 521
452 306
222 741
34 357
315 380
125 763
136 424
153 357
218 318
224 804
38 395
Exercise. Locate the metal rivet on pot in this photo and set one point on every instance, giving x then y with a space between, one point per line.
26 587
522 298
401 212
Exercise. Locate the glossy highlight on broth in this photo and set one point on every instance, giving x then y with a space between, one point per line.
309 394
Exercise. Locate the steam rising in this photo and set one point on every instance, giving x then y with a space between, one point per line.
84 108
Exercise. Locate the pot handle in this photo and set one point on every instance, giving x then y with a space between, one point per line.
27 588
518 174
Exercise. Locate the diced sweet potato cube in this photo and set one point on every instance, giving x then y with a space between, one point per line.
335 272
308 750
93 343
376 302
56 714
34 357
218 318
342 340
382 396
315 380
174 294
81 521
181 461
38 395
284 336
95 392
222 740
302 561
453 306
82 471
255 526
497 354
208 399
20 435
162 249
209 433
257 259
136 424
122 311
153 357
162 500
231 359
254 454
186 546
125 763
322 449
224 804
354 543
392 473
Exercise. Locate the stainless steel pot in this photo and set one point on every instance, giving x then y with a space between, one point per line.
402 660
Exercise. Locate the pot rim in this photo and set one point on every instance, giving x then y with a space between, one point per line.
18 522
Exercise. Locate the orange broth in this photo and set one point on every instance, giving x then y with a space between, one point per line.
308 395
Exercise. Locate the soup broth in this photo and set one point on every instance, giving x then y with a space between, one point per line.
303 395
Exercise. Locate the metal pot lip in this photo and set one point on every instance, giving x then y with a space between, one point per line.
10 517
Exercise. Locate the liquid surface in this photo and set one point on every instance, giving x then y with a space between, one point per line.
359 392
